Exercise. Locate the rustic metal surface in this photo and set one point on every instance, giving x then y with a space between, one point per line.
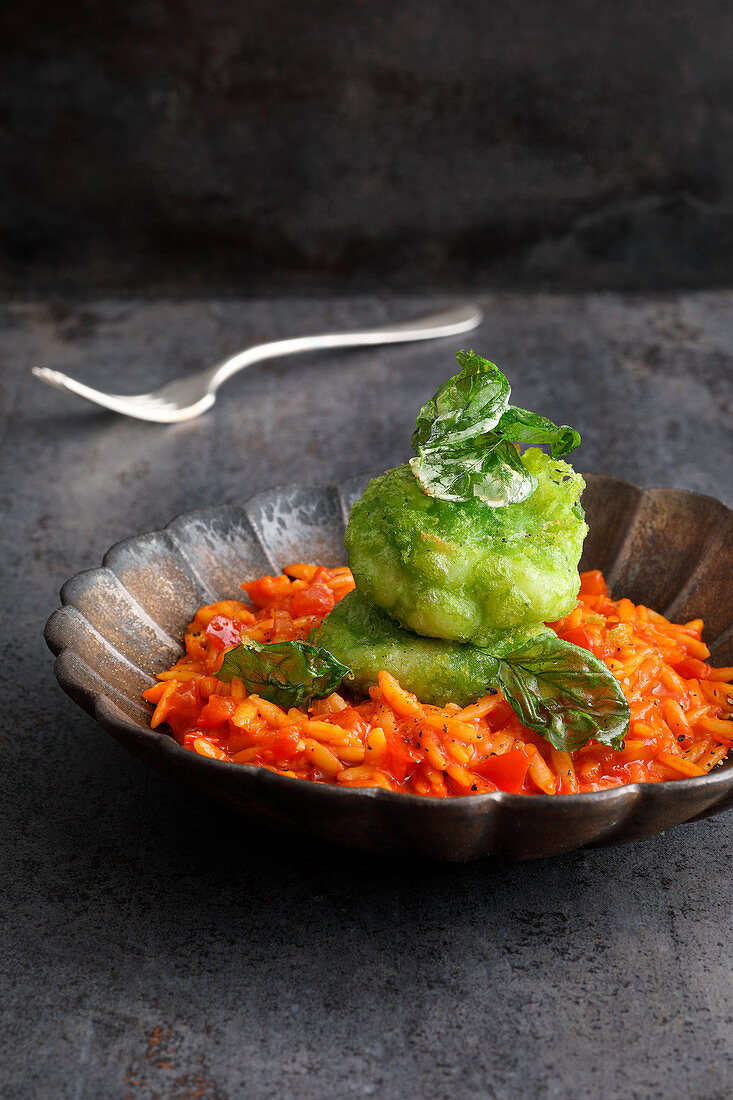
155 944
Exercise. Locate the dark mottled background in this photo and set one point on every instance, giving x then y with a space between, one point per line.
264 145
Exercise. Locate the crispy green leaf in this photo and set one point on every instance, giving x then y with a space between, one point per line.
565 694
468 404
523 426
290 674
489 469
464 436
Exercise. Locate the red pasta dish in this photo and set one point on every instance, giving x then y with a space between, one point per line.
460 652
680 708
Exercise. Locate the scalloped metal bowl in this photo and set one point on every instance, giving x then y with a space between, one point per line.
121 624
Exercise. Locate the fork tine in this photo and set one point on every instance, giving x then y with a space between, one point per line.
142 406
70 385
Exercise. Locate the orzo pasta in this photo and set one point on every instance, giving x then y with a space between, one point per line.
681 708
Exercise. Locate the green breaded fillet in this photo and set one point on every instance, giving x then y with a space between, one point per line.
461 570
363 637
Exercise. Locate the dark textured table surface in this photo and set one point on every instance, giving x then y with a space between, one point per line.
156 946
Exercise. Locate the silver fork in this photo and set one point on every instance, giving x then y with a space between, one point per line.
186 398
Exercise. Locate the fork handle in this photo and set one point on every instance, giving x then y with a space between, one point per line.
446 322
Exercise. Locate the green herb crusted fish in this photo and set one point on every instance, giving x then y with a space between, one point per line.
437 671
462 570
460 559
472 537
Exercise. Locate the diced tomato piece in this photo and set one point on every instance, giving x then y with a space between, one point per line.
399 758
593 584
578 635
223 631
182 707
316 599
217 711
285 746
234 739
349 719
693 669
283 629
267 590
506 771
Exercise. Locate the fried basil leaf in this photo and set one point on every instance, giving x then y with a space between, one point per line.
488 469
468 404
290 674
464 436
523 426
565 694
